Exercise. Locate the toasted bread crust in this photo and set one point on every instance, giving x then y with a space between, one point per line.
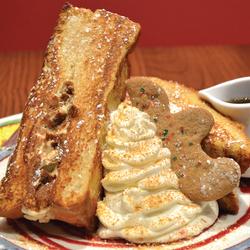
56 165
230 203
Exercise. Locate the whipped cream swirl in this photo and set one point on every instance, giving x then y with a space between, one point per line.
142 201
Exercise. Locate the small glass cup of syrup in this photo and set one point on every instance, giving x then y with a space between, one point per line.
240 100
231 98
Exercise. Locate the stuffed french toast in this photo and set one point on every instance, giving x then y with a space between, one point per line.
55 171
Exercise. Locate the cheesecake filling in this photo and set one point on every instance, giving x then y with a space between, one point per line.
49 153
143 202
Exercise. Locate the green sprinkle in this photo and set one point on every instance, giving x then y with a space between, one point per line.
142 90
165 132
174 158
190 143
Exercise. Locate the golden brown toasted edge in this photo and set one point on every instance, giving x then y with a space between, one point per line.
13 188
13 185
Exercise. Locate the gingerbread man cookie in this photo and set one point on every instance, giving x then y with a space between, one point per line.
201 177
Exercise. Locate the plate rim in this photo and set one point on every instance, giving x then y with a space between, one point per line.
12 119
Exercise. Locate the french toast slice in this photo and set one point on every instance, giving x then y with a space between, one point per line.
226 139
230 203
55 170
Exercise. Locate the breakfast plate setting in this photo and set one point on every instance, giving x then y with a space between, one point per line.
102 160
228 232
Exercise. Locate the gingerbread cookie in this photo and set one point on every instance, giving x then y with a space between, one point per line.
201 177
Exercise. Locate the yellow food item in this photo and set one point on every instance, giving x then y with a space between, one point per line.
6 132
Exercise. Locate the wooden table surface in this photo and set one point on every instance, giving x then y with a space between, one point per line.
195 66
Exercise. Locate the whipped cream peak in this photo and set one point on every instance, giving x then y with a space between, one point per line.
127 129
143 202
